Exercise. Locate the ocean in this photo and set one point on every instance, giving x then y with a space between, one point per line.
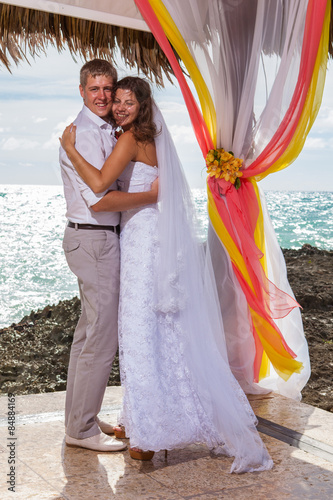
33 269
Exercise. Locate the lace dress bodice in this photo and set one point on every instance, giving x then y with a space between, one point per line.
136 178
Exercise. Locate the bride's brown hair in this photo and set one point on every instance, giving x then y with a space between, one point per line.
143 127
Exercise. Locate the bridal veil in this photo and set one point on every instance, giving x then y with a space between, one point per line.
187 299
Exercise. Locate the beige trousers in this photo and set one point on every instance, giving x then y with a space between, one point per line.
93 256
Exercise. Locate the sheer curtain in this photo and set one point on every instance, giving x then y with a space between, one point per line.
237 37
259 69
187 304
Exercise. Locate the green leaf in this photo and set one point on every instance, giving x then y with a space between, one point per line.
237 183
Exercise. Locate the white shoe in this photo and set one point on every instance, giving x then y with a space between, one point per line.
104 426
99 442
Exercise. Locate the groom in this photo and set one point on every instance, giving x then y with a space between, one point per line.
91 246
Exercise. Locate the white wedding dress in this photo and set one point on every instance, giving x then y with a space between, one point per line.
178 390
160 410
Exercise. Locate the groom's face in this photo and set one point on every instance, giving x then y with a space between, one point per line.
97 94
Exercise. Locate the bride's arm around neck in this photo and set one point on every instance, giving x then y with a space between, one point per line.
124 151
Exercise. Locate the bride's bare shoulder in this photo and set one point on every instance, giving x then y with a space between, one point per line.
126 142
126 137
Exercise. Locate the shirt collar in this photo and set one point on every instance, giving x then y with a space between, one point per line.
96 119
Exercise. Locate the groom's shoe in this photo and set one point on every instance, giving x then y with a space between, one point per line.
99 442
104 426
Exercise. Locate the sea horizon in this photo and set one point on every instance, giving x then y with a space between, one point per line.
191 187
34 272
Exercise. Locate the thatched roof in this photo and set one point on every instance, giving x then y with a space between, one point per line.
25 32
28 32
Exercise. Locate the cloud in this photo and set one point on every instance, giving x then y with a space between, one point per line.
182 134
328 119
26 164
12 143
315 143
53 142
324 120
38 119
60 127
172 107
52 95
178 122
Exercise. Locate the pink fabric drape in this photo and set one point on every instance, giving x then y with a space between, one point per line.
239 209
284 134
264 298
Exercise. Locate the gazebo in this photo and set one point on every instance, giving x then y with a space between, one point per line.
224 46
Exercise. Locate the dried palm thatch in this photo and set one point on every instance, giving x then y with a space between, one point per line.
25 32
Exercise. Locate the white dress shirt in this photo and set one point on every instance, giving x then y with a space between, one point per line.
95 141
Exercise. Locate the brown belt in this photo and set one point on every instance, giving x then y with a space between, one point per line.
76 225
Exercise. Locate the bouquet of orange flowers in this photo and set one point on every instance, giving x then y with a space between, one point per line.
223 165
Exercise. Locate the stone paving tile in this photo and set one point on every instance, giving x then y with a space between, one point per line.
54 401
300 417
203 475
209 474
313 488
40 403
23 474
36 448
129 486
61 462
290 460
36 490
301 489
47 468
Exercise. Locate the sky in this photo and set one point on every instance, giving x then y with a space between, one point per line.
38 100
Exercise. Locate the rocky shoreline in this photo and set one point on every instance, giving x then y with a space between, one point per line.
34 353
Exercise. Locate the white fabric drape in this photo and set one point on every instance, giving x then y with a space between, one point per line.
249 55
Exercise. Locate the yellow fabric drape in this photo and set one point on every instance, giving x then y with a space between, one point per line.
259 238
282 361
284 366
308 116
311 106
228 242
176 39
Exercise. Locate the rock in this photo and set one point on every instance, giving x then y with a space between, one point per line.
34 353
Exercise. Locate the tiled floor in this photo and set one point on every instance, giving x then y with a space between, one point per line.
46 469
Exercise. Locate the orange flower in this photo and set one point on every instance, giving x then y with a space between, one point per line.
223 165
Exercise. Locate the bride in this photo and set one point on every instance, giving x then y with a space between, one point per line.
178 387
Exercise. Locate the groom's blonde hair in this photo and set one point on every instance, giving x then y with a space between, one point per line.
97 67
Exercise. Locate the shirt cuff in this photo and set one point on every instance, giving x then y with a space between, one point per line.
90 197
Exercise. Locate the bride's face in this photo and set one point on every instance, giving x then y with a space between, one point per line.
125 108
